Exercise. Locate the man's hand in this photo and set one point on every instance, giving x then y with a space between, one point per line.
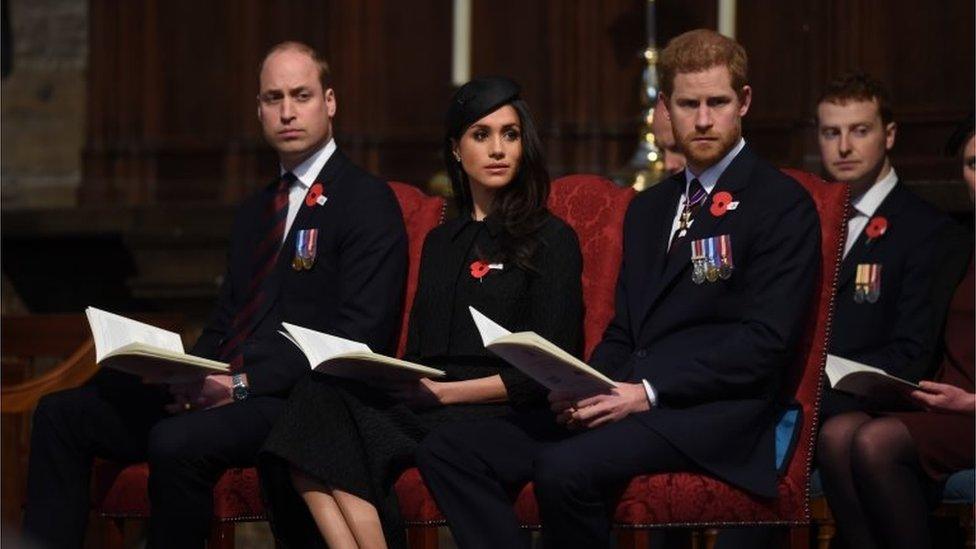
620 402
942 397
422 393
210 392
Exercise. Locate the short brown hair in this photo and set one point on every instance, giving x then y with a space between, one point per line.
858 85
699 50
325 75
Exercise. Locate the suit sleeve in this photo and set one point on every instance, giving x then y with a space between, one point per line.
555 294
372 267
218 325
611 355
373 270
930 276
780 272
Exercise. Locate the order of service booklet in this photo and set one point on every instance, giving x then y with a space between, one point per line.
341 357
541 359
874 385
154 354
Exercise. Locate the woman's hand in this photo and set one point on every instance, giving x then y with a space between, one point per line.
620 402
942 397
422 393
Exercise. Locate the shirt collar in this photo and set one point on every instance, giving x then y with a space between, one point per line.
709 176
868 203
309 169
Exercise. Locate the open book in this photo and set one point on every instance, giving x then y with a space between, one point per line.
883 390
154 354
540 359
340 357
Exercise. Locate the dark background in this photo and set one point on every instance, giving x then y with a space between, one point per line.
172 139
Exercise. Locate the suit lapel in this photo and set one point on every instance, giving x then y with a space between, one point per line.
327 177
733 180
863 250
662 217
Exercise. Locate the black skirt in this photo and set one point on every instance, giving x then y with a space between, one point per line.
349 437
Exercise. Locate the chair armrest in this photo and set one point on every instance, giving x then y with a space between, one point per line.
78 368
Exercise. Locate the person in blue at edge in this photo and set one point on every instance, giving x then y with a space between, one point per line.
717 277
329 465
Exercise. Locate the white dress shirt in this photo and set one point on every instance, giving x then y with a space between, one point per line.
865 206
305 174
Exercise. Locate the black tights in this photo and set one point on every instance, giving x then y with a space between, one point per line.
873 482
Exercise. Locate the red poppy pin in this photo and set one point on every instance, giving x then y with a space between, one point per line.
479 269
720 203
876 227
314 196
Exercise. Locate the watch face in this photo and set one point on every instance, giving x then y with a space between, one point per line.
240 392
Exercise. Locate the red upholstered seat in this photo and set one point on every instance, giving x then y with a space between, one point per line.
421 213
595 208
121 491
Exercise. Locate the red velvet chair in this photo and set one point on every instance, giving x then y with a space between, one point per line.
595 208
120 492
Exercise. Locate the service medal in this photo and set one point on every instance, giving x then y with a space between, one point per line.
306 246
697 261
711 273
725 257
874 283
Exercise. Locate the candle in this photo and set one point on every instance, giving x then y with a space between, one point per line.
726 17
461 47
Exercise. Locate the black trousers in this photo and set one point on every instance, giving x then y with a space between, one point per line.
116 417
475 470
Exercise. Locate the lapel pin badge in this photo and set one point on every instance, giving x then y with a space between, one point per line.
721 203
876 228
315 195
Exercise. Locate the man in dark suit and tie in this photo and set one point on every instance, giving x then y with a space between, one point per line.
718 269
323 246
902 257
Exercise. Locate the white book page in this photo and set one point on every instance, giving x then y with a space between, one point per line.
488 328
112 331
838 367
319 347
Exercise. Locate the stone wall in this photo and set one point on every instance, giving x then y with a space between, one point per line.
42 104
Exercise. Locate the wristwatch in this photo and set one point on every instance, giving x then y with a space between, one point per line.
239 387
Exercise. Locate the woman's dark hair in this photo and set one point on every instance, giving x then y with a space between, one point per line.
519 207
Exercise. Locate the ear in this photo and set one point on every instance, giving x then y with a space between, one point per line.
890 130
455 150
258 108
662 101
330 102
745 99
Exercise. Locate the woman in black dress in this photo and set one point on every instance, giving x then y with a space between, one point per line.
329 465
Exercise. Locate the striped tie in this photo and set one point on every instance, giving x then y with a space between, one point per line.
263 261
695 198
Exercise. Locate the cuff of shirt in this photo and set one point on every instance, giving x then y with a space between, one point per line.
651 393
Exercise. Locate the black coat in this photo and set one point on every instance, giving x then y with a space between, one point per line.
546 299
354 288
716 353
922 254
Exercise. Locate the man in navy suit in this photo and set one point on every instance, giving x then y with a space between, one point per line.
323 246
902 257
718 270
